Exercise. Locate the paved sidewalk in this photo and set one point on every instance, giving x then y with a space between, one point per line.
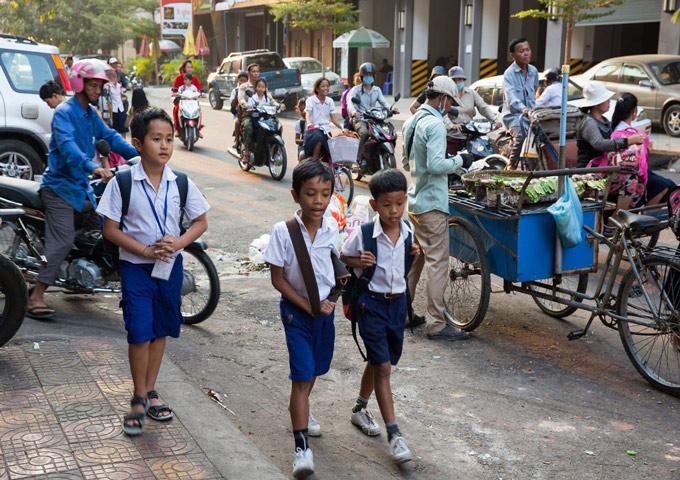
61 411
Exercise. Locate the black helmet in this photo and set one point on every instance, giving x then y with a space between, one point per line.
366 68
552 75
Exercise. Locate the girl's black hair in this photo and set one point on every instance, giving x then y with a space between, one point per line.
261 80
139 126
309 169
301 102
387 181
242 75
182 69
188 76
625 105
50 89
139 100
317 84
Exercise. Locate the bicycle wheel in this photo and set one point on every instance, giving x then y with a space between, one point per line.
654 349
343 184
577 283
200 287
466 295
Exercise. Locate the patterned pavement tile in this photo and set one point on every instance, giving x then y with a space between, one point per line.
165 439
33 437
116 385
42 461
98 428
72 411
109 373
54 347
12 354
106 357
17 377
183 467
72 392
51 360
93 345
3 471
119 471
120 402
53 374
70 475
99 452
30 397
24 417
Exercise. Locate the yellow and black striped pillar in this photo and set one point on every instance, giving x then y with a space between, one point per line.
488 67
418 76
576 66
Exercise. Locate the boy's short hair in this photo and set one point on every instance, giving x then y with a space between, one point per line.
49 89
251 66
188 76
308 169
139 126
387 181
242 75
514 42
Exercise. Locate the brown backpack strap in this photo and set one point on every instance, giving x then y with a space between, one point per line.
305 264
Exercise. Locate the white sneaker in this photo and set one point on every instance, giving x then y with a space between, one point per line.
313 427
399 451
303 463
364 420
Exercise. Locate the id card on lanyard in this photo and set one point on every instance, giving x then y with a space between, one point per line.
161 268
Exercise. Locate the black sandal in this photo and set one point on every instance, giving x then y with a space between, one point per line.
154 411
138 417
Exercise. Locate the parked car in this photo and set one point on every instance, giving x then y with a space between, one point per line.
653 79
284 83
25 126
491 91
311 69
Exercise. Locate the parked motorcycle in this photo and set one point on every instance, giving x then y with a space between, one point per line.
13 291
92 264
378 150
267 147
135 80
189 118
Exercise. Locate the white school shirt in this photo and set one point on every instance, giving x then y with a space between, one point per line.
255 101
280 252
390 267
116 90
551 96
184 88
140 222
321 112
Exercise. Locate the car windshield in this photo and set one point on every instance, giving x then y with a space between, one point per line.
667 73
307 66
575 92
267 62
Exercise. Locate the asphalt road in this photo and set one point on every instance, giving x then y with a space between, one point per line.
516 401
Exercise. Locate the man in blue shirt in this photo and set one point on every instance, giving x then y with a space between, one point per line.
520 82
66 190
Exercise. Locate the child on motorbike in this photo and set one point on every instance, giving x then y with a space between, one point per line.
320 110
190 87
233 101
300 127
150 245
260 97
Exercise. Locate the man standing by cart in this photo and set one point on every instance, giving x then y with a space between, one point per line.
424 137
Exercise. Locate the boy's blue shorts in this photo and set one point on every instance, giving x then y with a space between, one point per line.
151 307
310 342
381 325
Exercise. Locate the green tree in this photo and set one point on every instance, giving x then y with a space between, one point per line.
572 11
146 26
339 16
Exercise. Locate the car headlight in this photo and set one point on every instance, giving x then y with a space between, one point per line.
642 115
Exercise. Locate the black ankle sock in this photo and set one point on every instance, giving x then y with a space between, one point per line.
392 430
300 439
361 403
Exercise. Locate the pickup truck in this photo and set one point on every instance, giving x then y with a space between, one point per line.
283 83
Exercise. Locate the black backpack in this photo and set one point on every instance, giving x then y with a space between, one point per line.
355 285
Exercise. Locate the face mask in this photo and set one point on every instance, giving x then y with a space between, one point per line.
440 109
368 80
460 86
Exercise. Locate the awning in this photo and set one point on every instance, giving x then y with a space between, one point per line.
633 11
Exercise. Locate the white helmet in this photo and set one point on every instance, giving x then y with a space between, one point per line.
445 85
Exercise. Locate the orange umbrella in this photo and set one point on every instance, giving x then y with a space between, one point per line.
144 48
202 43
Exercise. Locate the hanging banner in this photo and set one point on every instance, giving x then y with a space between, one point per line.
176 16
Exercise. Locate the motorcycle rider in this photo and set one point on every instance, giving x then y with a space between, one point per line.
65 189
369 96
520 82
190 87
552 94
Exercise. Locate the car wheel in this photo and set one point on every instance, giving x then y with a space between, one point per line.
19 160
215 101
671 120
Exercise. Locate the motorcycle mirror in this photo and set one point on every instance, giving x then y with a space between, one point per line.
397 97
453 111
249 93
356 101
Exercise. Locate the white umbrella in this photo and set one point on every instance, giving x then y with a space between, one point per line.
363 37
168 46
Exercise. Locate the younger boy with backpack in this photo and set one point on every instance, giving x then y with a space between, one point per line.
381 254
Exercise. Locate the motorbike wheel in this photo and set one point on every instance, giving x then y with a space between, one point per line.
277 161
13 299
387 160
343 184
246 167
200 288
189 135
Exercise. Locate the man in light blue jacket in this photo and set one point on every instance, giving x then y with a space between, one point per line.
424 137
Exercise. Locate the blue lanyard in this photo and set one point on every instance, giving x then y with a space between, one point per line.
153 208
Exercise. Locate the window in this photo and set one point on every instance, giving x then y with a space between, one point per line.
235 66
667 73
28 71
267 62
499 97
608 73
486 92
224 68
633 75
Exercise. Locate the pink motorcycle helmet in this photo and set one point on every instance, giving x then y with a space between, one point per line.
89 68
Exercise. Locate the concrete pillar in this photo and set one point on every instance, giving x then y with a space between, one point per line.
669 35
488 63
419 43
366 20
403 46
554 43
471 38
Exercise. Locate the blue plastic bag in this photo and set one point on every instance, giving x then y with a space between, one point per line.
568 216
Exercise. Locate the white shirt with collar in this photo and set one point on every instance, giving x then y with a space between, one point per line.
551 96
321 112
390 267
140 222
280 252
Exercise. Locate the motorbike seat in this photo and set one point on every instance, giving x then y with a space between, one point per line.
637 222
21 191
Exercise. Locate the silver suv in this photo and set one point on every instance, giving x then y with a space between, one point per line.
25 119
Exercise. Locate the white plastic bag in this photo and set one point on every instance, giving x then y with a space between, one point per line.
257 248
361 212
568 216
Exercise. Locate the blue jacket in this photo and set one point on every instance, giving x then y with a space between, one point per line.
75 132
520 92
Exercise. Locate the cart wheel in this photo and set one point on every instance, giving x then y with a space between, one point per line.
652 346
577 283
466 295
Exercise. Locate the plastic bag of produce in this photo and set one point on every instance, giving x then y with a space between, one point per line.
568 216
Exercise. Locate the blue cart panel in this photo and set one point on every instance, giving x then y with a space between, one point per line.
521 247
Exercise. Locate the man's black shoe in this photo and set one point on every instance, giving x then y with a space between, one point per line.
417 321
449 333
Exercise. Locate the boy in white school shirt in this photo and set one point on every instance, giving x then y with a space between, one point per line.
150 240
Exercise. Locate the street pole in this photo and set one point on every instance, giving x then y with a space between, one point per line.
562 160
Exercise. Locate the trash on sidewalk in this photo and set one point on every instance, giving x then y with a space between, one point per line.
215 396
254 261
36 346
